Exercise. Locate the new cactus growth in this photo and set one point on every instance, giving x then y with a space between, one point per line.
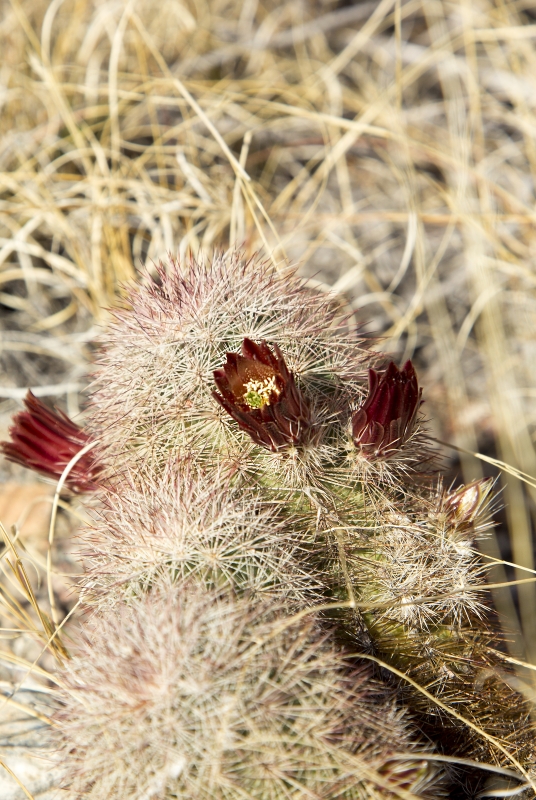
246 465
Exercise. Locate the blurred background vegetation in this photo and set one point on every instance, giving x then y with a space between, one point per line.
387 148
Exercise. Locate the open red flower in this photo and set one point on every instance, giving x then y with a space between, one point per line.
386 419
258 391
45 441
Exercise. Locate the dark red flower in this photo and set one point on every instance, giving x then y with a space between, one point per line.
386 419
258 391
45 441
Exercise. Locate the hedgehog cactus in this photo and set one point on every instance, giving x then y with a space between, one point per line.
245 465
189 693
190 524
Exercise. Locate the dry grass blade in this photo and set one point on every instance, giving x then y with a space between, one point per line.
495 742
49 631
530 480
16 779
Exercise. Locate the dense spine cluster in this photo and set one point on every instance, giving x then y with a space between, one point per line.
193 525
249 476
190 693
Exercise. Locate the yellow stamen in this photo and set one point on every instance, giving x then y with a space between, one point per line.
257 394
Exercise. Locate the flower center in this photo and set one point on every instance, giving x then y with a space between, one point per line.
257 394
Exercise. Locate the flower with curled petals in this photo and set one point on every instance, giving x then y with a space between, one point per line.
258 391
385 421
45 441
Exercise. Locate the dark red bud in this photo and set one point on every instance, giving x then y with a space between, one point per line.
385 421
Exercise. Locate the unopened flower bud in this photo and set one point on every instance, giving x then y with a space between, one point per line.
386 419
465 504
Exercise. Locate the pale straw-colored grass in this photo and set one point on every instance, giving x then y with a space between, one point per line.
386 147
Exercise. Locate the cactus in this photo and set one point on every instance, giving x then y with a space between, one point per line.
188 693
240 454
190 524
155 373
423 583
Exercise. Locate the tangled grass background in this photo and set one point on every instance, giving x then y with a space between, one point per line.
385 147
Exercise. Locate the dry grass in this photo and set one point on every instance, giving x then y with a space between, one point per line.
387 147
